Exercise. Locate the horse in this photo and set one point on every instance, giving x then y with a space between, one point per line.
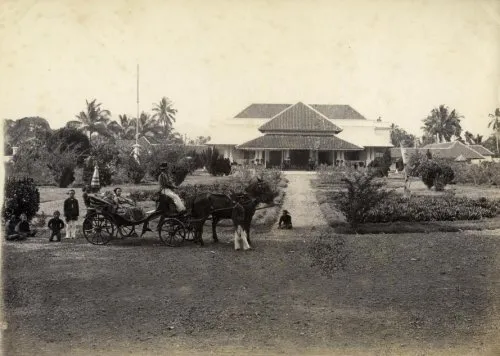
221 206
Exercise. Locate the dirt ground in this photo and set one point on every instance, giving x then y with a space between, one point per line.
407 294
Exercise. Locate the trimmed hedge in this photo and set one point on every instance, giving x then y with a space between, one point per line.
427 208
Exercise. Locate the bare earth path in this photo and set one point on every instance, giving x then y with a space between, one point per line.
301 202
408 294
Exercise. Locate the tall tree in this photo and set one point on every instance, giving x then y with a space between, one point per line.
443 123
164 112
400 137
495 125
128 127
95 119
148 126
471 139
26 129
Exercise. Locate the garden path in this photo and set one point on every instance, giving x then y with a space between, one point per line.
300 201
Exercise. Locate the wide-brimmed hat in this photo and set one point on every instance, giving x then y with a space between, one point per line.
164 165
285 211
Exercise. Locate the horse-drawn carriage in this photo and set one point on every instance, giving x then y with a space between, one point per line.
103 223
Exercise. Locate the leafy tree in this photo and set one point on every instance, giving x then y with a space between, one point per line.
95 119
443 123
62 162
495 125
162 153
400 137
25 129
31 161
382 164
70 138
165 113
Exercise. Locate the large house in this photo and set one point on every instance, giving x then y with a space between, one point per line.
456 151
293 136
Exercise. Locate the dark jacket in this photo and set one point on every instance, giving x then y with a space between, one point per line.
23 226
165 180
285 220
71 211
56 224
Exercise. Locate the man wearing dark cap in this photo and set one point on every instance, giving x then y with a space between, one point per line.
167 185
286 220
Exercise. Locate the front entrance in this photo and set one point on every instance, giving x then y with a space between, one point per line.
299 159
325 157
274 159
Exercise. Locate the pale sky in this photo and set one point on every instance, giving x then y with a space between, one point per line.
395 59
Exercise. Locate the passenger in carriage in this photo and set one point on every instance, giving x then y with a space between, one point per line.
127 207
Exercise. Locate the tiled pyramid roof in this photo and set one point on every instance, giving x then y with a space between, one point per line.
482 150
338 112
449 150
299 142
268 111
302 118
262 111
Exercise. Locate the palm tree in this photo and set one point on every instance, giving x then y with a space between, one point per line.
128 127
165 113
495 125
95 119
148 126
443 123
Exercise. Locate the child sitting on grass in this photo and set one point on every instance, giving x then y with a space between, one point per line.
55 225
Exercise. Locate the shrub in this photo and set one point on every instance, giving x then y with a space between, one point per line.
21 196
427 208
215 163
135 170
363 193
333 174
381 165
435 173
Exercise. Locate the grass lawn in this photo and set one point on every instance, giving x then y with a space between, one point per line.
52 198
410 294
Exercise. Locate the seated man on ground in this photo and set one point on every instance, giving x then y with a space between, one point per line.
22 230
286 220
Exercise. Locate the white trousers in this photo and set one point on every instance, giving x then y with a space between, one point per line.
71 229
177 200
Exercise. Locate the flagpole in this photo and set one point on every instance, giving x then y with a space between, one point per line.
137 146
137 121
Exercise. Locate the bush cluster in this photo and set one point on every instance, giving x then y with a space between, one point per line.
435 173
477 174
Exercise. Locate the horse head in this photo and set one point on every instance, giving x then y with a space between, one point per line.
260 189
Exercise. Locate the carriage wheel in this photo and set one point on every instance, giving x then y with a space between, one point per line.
172 232
98 229
126 230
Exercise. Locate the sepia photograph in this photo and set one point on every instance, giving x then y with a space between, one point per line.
266 177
